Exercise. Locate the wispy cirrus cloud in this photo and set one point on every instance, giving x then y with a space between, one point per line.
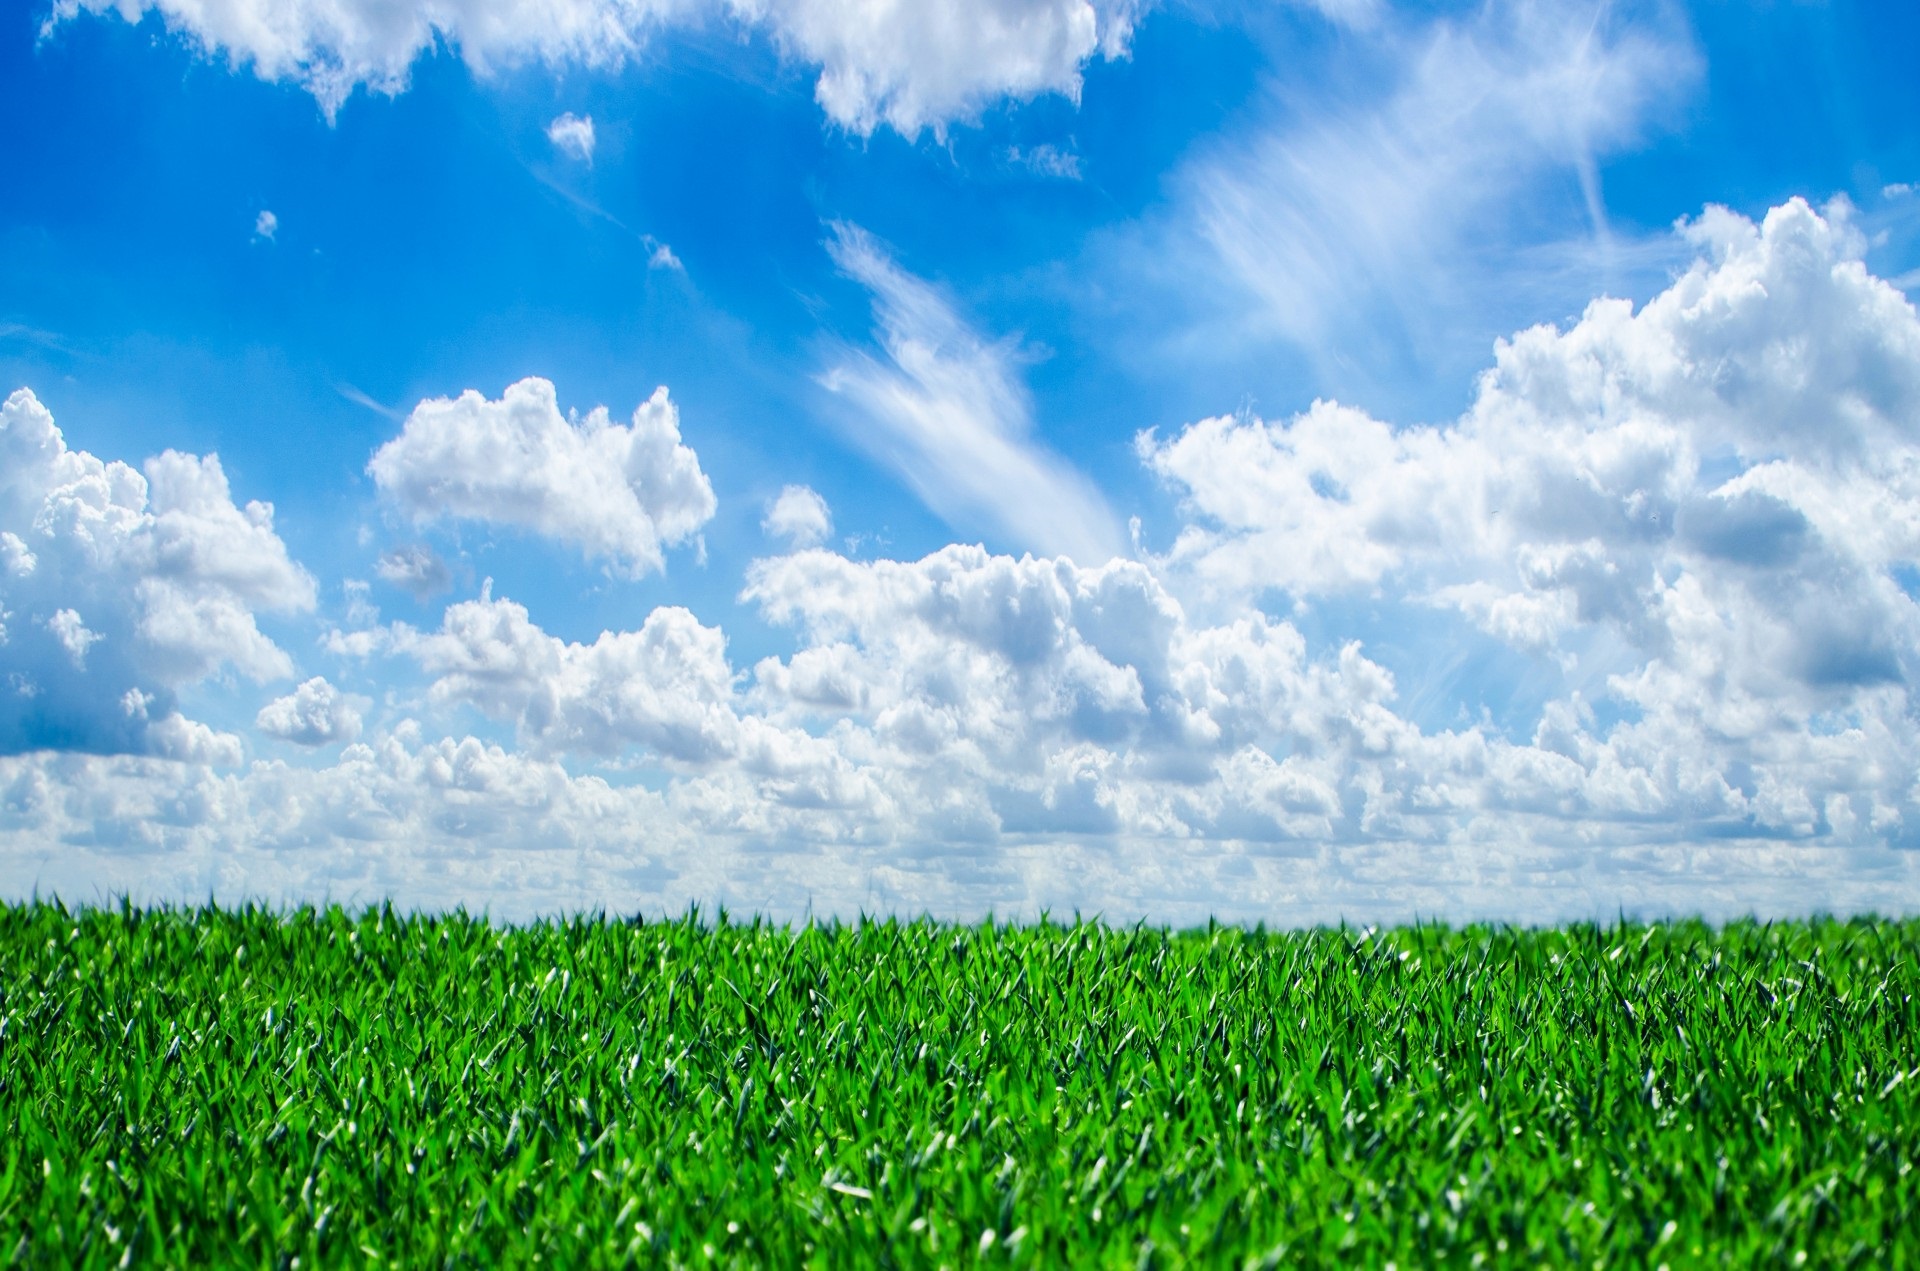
1387 225
946 410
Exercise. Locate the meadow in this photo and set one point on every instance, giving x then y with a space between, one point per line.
320 1087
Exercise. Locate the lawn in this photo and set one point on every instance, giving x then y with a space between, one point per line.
321 1087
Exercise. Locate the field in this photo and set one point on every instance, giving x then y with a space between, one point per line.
318 1087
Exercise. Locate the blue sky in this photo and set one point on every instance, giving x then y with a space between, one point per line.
1087 477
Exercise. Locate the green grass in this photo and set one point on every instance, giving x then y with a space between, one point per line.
182 1087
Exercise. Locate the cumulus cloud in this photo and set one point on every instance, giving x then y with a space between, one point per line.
265 226
332 49
126 586
972 699
915 66
666 687
622 494
573 135
798 515
962 733
1695 515
174 736
1704 507
422 822
70 632
443 822
1751 425
908 66
315 714
947 411
416 569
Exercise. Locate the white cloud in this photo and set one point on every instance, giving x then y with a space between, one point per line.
70 631
315 714
174 736
947 411
619 493
799 516
666 687
908 66
1699 509
415 568
573 135
1376 230
20 560
663 258
333 48
1046 161
124 583
433 821
1594 462
991 733
265 226
1695 517
924 65
1753 665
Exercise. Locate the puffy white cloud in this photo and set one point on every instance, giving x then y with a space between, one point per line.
1689 522
920 65
315 714
436 822
331 47
964 695
415 568
70 632
948 412
1744 445
970 650
265 226
1701 509
1654 504
124 583
621 493
910 66
174 736
1169 771
572 134
666 686
799 515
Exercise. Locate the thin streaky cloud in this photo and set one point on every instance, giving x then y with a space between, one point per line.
1362 231
946 410
359 398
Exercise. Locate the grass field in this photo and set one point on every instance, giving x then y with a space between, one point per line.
320 1088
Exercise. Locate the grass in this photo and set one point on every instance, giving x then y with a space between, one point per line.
320 1088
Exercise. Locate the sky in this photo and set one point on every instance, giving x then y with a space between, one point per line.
1286 462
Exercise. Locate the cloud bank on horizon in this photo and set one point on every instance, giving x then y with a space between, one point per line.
1636 627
